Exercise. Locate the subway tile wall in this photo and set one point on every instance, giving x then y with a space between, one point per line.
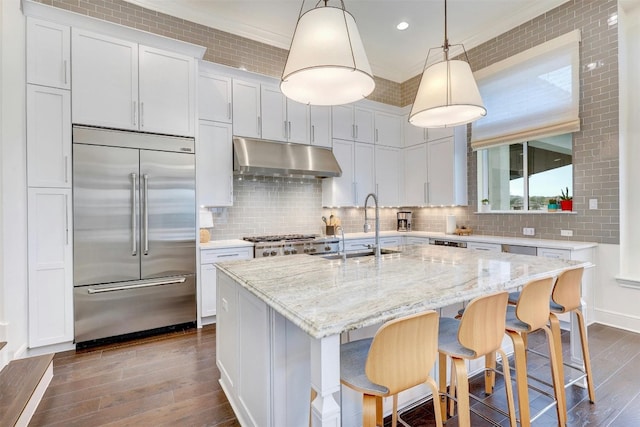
269 206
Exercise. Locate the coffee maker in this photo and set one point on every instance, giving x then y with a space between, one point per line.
404 221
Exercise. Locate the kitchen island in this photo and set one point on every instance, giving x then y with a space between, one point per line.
280 320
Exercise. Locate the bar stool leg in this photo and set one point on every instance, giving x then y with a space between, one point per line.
489 373
442 382
557 376
506 372
464 413
369 410
521 378
585 356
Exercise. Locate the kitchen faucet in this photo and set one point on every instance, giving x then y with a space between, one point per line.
344 249
367 227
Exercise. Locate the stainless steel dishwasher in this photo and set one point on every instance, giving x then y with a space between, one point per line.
519 249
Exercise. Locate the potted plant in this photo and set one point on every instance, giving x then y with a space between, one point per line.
566 201
486 206
553 205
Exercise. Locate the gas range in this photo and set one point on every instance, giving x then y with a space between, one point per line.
292 244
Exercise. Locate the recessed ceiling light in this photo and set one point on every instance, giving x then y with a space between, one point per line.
402 26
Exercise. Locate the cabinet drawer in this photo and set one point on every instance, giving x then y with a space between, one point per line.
417 240
220 255
554 253
492 247
390 241
357 245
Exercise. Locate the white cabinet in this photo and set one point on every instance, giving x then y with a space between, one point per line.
283 119
415 175
117 83
320 120
50 266
413 135
244 331
48 54
339 191
48 137
434 134
388 129
447 169
388 169
356 245
487 247
389 241
208 288
214 97
214 167
352 123
364 171
412 240
554 253
246 108
167 92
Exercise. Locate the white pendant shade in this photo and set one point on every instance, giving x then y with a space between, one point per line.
447 96
327 63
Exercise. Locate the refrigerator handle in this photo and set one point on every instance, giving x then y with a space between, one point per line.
145 213
134 229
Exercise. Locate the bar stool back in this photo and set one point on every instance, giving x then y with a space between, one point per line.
478 333
532 314
399 357
566 298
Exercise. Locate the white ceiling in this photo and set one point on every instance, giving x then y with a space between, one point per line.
393 54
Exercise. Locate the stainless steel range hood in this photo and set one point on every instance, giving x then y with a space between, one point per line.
272 158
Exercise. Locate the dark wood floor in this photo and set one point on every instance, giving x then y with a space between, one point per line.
172 380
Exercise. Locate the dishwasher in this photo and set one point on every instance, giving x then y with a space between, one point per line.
518 249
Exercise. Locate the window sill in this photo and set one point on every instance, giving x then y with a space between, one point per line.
529 212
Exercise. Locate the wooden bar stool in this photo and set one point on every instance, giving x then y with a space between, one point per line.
530 314
478 333
565 298
399 357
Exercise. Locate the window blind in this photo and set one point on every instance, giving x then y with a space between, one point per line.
533 94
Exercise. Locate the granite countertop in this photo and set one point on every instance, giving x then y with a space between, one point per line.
327 297
522 241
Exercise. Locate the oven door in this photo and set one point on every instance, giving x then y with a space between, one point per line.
108 310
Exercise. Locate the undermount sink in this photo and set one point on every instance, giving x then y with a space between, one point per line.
361 254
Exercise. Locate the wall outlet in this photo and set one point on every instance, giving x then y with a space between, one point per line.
593 203
529 231
566 233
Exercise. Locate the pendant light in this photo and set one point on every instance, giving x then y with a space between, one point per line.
327 63
448 94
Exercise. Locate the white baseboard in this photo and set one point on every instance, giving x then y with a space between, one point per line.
54 348
617 320
4 327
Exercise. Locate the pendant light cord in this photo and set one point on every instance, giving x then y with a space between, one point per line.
445 47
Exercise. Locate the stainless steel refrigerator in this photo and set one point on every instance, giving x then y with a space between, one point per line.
134 231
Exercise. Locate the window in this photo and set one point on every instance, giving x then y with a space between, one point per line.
524 176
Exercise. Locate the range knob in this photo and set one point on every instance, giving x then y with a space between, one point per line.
327 248
312 250
287 252
294 251
265 253
274 253
306 250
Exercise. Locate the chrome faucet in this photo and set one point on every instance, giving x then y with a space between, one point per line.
367 227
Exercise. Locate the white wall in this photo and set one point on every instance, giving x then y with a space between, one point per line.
13 193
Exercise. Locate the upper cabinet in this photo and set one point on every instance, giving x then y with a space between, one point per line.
214 97
435 172
352 123
320 120
388 129
413 135
246 109
48 54
388 175
340 191
282 118
117 84
214 167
